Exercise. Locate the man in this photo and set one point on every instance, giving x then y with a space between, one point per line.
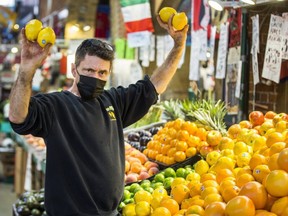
83 127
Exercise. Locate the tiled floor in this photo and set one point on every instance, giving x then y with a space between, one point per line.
7 195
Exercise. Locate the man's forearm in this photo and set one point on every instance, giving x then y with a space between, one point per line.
20 98
163 74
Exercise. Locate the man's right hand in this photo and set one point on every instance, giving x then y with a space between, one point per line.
32 55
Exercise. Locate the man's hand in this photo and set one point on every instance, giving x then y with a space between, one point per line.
179 36
32 54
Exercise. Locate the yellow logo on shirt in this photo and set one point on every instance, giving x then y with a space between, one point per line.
111 113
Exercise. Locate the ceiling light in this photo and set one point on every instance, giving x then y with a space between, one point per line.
215 4
251 2
86 28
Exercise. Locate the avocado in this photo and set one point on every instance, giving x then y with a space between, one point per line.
23 210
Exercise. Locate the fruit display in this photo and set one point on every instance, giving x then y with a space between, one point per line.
30 203
179 20
137 165
244 172
34 31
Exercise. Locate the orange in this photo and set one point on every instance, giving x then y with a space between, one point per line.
191 127
258 143
179 21
270 115
179 156
195 189
260 172
243 179
179 193
142 208
241 170
181 146
229 192
277 183
270 201
225 183
195 209
264 213
222 174
209 183
240 206
245 124
273 162
215 209
280 206
274 137
183 135
171 152
209 190
281 126
193 141
166 12
190 152
256 192
32 29
207 176
276 148
233 131
223 163
201 133
46 36
171 205
161 211
243 159
257 159
282 159
214 197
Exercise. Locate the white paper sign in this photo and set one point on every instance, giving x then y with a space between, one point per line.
255 34
212 41
255 69
272 60
234 55
238 82
285 36
138 39
194 56
203 44
222 51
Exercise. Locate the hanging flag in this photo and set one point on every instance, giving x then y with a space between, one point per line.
138 21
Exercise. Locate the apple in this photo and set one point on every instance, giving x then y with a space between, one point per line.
213 137
256 118
234 130
204 150
270 115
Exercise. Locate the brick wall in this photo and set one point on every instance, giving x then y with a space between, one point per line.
267 95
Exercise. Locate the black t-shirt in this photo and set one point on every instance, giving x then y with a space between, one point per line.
85 146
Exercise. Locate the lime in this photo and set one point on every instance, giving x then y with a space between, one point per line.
46 36
145 183
169 172
138 189
32 29
159 177
122 205
149 189
181 172
127 201
127 187
126 194
156 185
167 182
133 187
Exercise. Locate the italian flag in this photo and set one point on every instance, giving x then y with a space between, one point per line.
138 21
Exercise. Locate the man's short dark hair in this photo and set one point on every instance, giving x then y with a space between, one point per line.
94 47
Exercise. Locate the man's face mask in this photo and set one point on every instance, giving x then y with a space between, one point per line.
90 87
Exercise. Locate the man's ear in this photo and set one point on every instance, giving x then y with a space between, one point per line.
73 69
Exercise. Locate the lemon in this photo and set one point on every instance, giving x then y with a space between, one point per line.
32 29
201 167
45 36
166 12
142 195
129 210
143 208
179 21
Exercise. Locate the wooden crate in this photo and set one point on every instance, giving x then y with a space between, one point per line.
20 170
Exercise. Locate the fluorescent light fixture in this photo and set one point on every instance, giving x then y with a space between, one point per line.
86 28
215 4
251 2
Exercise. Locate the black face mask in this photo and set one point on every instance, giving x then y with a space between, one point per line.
90 87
